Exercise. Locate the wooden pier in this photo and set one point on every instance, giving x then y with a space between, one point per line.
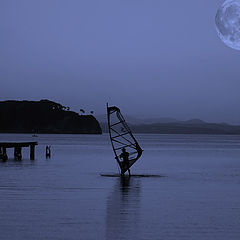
17 149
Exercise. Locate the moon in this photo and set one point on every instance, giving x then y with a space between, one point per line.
228 23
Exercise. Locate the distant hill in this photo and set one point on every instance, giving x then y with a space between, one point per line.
194 121
140 120
174 126
186 128
44 117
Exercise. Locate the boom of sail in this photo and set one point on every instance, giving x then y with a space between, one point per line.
122 137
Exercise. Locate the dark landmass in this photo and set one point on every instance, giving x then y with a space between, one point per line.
44 117
194 126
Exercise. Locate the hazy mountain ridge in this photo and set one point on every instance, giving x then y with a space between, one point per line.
140 120
186 128
192 126
152 120
44 117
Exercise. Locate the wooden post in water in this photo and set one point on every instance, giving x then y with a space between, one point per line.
32 151
18 153
15 152
5 156
48 151
1 155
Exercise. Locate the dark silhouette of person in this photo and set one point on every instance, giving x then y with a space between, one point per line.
125 155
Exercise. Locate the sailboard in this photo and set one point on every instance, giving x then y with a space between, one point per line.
121 137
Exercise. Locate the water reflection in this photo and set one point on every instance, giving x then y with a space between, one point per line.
11 162
123 209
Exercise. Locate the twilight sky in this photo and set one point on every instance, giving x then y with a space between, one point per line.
155 57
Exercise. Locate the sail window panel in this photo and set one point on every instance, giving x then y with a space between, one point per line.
120 135
119 130
114 120
124 139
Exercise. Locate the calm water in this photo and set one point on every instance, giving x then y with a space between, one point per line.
65 198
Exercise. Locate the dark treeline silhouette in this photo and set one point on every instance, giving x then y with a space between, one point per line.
44 117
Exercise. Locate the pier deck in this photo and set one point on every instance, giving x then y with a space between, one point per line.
17 149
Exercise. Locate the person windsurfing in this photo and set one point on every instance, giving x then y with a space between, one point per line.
125 155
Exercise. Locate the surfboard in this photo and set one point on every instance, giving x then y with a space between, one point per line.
132 175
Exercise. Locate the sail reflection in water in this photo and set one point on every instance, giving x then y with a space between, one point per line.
123 209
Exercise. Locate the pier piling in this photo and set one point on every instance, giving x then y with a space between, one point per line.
32 151
4 154
17 149
18 153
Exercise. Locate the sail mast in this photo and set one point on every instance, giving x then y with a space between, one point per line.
110 135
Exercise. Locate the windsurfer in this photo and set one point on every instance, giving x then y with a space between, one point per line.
124 155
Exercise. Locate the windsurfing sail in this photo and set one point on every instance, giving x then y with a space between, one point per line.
122 137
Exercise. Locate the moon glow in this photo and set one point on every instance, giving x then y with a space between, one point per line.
228 23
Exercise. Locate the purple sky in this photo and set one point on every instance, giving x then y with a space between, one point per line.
154 57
